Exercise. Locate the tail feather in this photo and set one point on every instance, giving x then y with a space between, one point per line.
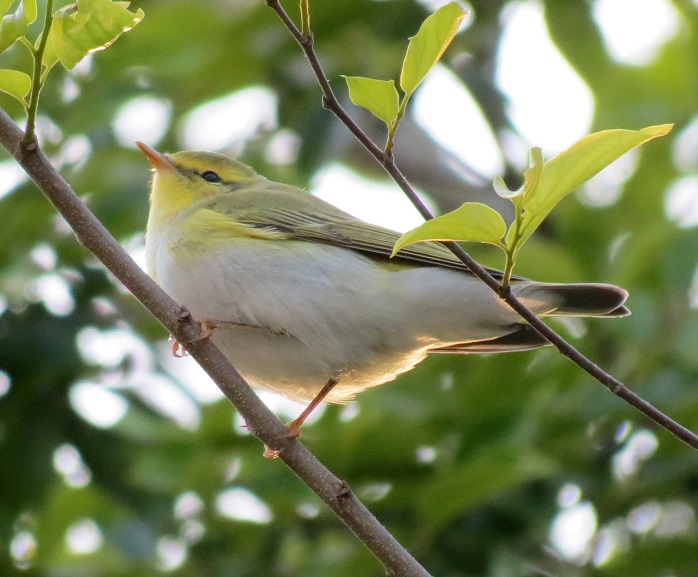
522 338
581 299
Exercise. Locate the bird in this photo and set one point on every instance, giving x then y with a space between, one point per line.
305 300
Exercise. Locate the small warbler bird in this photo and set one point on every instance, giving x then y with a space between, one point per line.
304 298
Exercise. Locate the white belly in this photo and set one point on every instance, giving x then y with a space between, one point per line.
324 311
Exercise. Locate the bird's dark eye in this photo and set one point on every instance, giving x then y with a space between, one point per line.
210 176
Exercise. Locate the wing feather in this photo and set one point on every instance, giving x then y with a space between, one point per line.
296 214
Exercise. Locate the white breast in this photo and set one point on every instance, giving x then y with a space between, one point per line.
322 310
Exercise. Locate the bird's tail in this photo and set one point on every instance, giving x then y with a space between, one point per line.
577 300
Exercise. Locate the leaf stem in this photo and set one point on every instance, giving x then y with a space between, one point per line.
390 142
37 81
512 249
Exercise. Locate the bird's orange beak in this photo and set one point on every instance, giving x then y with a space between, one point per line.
157 159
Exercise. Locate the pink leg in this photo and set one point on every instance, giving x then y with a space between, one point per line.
294 427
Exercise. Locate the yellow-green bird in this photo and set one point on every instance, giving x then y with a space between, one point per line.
304 298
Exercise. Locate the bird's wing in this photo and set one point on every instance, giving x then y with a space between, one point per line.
322 222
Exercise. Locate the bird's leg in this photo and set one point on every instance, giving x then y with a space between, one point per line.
294 427
207 328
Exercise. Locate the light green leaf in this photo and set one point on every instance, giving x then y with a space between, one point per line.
472 222
15 83
380 97
533 174
88 26
30 10
565 172
427 46
5 5
501 188
12 27
531 178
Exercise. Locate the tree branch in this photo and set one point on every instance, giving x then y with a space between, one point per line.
615 386
260 420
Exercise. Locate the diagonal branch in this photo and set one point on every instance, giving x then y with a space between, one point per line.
386 160
176 319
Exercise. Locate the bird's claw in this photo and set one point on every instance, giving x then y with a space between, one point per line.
178 350
207 327
293 431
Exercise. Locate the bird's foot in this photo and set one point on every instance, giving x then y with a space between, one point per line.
207 327
294 427
178 349
293 431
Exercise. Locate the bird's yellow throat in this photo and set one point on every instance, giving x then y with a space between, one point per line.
168 197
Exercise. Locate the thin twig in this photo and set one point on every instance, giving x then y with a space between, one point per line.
387 162
261 422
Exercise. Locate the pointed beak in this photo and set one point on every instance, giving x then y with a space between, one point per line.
157 159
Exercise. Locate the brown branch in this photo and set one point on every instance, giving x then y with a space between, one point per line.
260 420
387 162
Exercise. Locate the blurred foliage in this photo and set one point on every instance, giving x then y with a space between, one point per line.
470 461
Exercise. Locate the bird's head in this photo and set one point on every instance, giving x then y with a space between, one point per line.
183 178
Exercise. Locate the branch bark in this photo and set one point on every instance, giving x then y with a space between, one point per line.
261 422
387 161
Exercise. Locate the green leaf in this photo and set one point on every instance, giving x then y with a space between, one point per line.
380 97
15 83
427 46
472 222
88 26
565 172
30 10
5 5
12 27
531 178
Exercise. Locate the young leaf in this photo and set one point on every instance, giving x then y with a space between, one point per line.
472 222
531 179
427 46
88 26
30 10
380 97
12 27
15 83
565 172
5 5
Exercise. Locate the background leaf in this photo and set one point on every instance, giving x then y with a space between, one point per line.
5 5
482 476
12 27
30 10
88 26
15 83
